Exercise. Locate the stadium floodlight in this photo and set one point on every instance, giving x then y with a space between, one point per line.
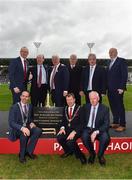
37 45
90 45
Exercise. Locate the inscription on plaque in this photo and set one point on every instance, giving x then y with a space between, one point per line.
48 118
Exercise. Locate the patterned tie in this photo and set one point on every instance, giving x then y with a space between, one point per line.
52 78
25 69
70 113
40 77
93 116
25 110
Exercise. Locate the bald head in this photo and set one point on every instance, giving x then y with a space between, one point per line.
113 53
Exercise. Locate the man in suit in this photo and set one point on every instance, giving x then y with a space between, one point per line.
39 82
59 81
93 79
70 129
22 127
117 74
95 120
75 78
18 74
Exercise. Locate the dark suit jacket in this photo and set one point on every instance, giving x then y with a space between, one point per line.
15 120
98 81
75 123
61 80
75 78
16 74
102 118
34 79
117 75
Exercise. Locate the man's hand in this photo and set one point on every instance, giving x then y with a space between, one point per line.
65 93
81 93
32 125
120 91
71 135
62 131
30 76
93 136
25 131
16 90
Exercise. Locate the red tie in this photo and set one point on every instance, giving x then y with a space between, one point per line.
40 77
70 113
25 70
53 75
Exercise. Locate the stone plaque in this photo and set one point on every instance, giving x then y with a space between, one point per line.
48 118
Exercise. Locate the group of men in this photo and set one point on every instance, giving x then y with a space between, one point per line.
67 84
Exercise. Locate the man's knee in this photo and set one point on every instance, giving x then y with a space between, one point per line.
37 131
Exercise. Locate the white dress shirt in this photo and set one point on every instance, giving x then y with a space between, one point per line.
91 73
44 81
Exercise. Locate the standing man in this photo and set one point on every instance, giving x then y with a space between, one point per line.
117 74
93 79
39 82
75 78
70 129
18 74
59 81
22 127
95 119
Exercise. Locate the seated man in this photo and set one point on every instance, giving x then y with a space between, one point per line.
95 119
22 127
70 129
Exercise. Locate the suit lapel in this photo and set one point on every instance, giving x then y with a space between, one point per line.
98 115
20 65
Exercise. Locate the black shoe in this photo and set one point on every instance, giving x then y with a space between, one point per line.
83 159
22 160
91 159
64 155
31 156
102 161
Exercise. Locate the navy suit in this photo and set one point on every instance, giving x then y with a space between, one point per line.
61 81
71 146
75 82
38 94
101 123
116 79
15 125
16 77
98 81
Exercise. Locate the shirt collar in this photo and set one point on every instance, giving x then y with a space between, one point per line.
72 106
23 104
22 59
97 105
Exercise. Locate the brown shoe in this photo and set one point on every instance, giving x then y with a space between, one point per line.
120 129
114 126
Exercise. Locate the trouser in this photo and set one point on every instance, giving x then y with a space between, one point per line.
117 107
28 143
103 137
